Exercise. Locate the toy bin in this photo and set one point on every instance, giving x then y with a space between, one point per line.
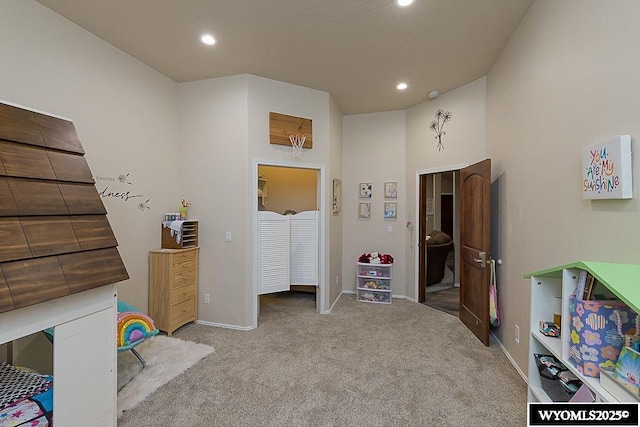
379 297
557 381
367 283
374 270
594 333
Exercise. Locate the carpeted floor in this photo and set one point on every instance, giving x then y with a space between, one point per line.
166 358
361 365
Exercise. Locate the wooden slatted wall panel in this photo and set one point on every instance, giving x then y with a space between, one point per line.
55 238
84 365
304 248
273 252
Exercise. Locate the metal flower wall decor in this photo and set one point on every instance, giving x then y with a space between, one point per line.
437 125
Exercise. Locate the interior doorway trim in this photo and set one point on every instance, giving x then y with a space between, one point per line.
320 291
416 261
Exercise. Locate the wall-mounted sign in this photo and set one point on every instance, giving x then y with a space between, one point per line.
606 169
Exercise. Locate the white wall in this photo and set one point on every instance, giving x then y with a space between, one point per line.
464 143
267 96
567 78
374 151
124 113
194 141
213 130
225 129
336 219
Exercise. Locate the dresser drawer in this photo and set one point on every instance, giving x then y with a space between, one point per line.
184 278
184 293
184 261
183 312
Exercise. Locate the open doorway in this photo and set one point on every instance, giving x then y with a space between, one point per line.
439 235
289 197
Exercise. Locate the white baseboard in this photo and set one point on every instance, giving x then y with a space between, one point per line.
223 325
349 292
334 303
513 362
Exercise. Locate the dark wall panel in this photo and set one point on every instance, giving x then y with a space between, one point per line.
37 197
82 199
70 167
8 205
25 161
58 133
14 244
93 232
55 238
49 235
6 302
35 280
84 270
17 124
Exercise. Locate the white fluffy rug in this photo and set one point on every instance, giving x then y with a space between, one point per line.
166 358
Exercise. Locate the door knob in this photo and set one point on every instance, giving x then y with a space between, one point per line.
482 260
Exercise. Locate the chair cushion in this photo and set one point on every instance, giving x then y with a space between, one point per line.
438 237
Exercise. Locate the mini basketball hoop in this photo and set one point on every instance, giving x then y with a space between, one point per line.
297 141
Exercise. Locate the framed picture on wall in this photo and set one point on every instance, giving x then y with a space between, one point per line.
391 190
365 190
429 209
337 195
365 210
390 209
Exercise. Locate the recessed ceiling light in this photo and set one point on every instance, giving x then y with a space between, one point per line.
402 86
208 39
403 3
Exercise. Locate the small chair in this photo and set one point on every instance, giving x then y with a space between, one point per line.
438 246
133 329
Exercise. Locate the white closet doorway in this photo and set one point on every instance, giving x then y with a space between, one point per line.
288 230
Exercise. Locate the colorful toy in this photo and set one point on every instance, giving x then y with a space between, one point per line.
134 326
376 258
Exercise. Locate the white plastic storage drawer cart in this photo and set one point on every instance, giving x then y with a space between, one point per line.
374 283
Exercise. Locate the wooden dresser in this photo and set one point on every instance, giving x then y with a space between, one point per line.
173 287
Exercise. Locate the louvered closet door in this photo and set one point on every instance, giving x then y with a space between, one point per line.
304 248
273 252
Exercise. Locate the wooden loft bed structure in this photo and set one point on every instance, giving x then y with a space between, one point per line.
59 260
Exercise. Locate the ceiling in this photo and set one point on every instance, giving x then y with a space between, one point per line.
356 50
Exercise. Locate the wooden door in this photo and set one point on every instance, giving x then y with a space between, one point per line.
422 233
475 247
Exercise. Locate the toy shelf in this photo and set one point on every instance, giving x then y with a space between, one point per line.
373 283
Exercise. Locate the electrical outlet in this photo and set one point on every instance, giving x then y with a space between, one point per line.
390 229
206 299
517 334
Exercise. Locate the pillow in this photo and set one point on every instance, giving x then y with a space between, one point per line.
437 237
134 326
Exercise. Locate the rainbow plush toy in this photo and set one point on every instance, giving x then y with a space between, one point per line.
134 326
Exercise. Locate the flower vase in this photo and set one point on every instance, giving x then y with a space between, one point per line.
183 212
